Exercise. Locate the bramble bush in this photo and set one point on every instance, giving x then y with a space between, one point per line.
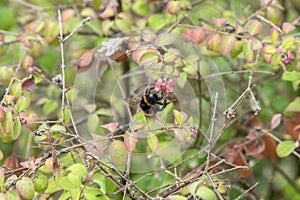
224 124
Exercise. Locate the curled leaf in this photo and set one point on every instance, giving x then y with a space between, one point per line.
85 61
28 84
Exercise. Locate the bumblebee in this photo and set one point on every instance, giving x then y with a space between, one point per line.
153 101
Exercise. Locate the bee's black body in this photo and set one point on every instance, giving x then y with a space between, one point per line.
150 102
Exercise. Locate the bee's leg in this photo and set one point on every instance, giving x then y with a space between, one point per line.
164 104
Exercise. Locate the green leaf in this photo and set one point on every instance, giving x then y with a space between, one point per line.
294 106
49 107
100 180
156 21
177 117
123 25
237 49
202 191
12 195
93 123
276 59
285 148
274 35
177 197
25 188
1 178
291 76
7 13
7 124
287 43
152 141
40 183
104 111
91 193
79 170
74 179
57 128
248 53
22 104
65 183
16 129
16 89
75 194
141 8
227 44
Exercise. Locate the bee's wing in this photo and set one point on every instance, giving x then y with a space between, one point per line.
135 98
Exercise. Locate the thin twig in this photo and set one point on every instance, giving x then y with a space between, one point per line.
61 41
247 191
7 90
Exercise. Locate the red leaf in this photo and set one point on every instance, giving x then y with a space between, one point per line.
241 161
111 127
28 84
270 147
198 35
119 56
276 119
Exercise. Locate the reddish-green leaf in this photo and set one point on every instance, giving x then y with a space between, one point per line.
254 27
288 27
118 152
248 53
274 14
148 58
171 55
285 148
219 22
130 140
111 127
173 7
2 114
213 42
152 141
227 44
25 188
7 124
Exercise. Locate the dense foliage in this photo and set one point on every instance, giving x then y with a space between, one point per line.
147 99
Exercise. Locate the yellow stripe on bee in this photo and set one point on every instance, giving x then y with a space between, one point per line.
145 100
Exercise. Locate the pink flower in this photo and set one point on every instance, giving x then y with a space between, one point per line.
165 84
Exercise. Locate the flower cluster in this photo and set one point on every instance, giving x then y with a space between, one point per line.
164 84
287 58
